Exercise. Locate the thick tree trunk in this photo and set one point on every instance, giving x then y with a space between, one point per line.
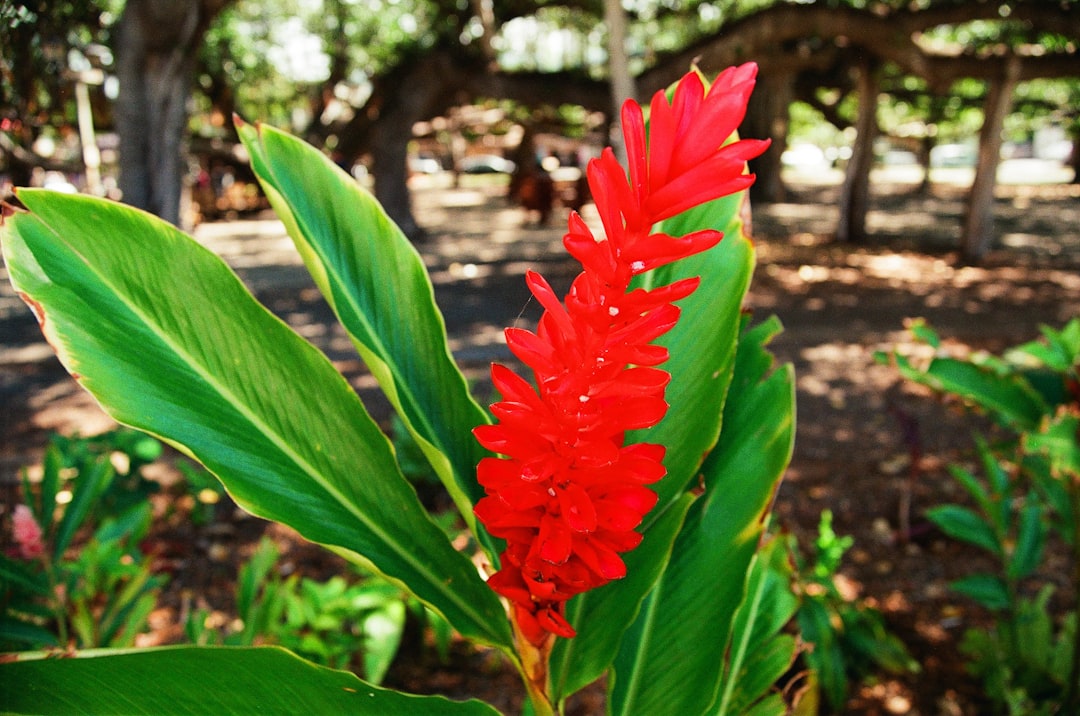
389 154
155 49
978 229
427 80
855 191
622 82
767 117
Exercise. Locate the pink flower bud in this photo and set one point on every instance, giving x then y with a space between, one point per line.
27 533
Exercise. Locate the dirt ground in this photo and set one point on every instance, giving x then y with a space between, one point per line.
857 423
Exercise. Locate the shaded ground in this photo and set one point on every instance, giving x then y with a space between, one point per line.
838 305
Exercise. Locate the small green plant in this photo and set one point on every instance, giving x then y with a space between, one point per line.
204 490
848 638
1028 493
53 595
128 451
339 623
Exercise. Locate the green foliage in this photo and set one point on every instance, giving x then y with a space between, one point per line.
1023 661
848 638
1028 491
765 649
711 560
102 592
180 681
229 384
342 623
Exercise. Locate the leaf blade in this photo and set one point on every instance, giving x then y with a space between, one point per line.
378 287
172 681
230 384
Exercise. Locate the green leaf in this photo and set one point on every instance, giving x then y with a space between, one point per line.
382 631
1008 398
169 341
1059 440
199 680
965 524
702 345
985 589
826 657
1030 540
88 487
15 631
762 651
767 665
923 332
691 609
26 577
378 287
601 616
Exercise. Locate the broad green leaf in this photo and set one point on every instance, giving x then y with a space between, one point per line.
193 681
169 341
766 666
378 287
602 615
702 345
1008 398
965 524
691 609
760 649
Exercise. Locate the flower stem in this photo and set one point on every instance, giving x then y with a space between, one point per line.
534 671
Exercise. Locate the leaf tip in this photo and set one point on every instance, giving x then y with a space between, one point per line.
7 210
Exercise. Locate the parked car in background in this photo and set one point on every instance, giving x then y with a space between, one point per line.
485 164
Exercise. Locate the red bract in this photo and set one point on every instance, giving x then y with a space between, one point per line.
568 494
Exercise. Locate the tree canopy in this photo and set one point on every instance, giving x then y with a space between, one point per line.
357 74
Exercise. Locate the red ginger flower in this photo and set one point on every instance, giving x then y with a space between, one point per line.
569 492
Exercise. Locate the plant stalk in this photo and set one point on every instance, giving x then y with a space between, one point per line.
534 671
1072 693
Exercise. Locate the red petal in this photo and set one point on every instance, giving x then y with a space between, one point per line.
554 540
555 623
577 508
600 558
533 351
529 626
633 127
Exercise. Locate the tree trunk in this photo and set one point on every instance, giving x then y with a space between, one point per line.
1075 159
389 155
767 117
855 191
622 83
155 49
978 229
427 79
